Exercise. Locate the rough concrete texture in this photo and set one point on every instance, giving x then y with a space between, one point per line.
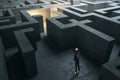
93 24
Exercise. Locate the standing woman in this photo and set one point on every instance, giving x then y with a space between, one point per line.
76 59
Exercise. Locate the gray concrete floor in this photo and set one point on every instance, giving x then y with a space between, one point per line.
56 64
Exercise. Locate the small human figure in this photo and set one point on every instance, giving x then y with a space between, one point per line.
76 59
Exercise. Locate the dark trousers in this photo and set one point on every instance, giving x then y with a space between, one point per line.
77 66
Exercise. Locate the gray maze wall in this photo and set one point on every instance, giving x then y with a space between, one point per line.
93 27
19 34
110 70
18 44
72 33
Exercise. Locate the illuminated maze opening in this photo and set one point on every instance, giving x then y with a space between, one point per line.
46 13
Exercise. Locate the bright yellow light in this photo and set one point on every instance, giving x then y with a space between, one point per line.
45 27
53 8
45 12
53 14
